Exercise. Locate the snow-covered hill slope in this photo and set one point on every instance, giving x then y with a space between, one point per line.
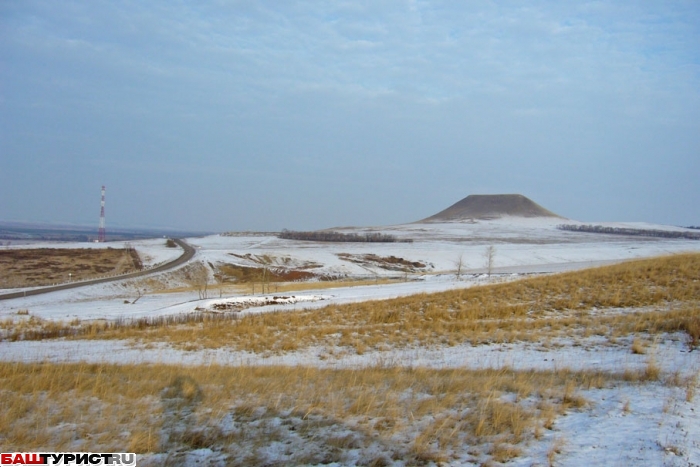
428 263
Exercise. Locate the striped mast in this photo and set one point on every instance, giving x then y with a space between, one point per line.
101 231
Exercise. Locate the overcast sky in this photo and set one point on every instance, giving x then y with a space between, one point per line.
241 115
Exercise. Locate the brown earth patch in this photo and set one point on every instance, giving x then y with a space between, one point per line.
46 266
242 274
391 263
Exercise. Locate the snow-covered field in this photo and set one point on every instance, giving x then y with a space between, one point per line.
645 424
522 246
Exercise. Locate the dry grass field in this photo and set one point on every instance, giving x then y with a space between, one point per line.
417 415
646 297
47 266
362 416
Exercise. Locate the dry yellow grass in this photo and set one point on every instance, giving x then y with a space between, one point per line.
638 347
46 266
660 296
416 414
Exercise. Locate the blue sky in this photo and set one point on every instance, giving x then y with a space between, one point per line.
234 115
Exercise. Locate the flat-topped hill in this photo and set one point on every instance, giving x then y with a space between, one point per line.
491 207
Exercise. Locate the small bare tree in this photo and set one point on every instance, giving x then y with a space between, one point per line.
144 286
220 279
139 294
459 263
198 278
265 277
490 256
202 289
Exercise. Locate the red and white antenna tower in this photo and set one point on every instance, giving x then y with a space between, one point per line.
101 231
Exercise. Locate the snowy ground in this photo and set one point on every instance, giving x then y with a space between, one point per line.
522 246
646 424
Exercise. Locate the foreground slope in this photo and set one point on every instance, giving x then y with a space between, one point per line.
586 368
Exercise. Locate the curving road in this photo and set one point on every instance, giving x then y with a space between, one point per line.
188 254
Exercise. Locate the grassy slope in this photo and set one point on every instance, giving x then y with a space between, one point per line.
369 415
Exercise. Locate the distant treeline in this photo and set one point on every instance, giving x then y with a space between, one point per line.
249 234
629 231
331 236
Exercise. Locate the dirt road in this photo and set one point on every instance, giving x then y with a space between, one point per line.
188 253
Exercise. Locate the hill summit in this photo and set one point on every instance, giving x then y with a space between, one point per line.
491 207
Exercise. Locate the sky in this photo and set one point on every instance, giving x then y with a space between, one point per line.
261 115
